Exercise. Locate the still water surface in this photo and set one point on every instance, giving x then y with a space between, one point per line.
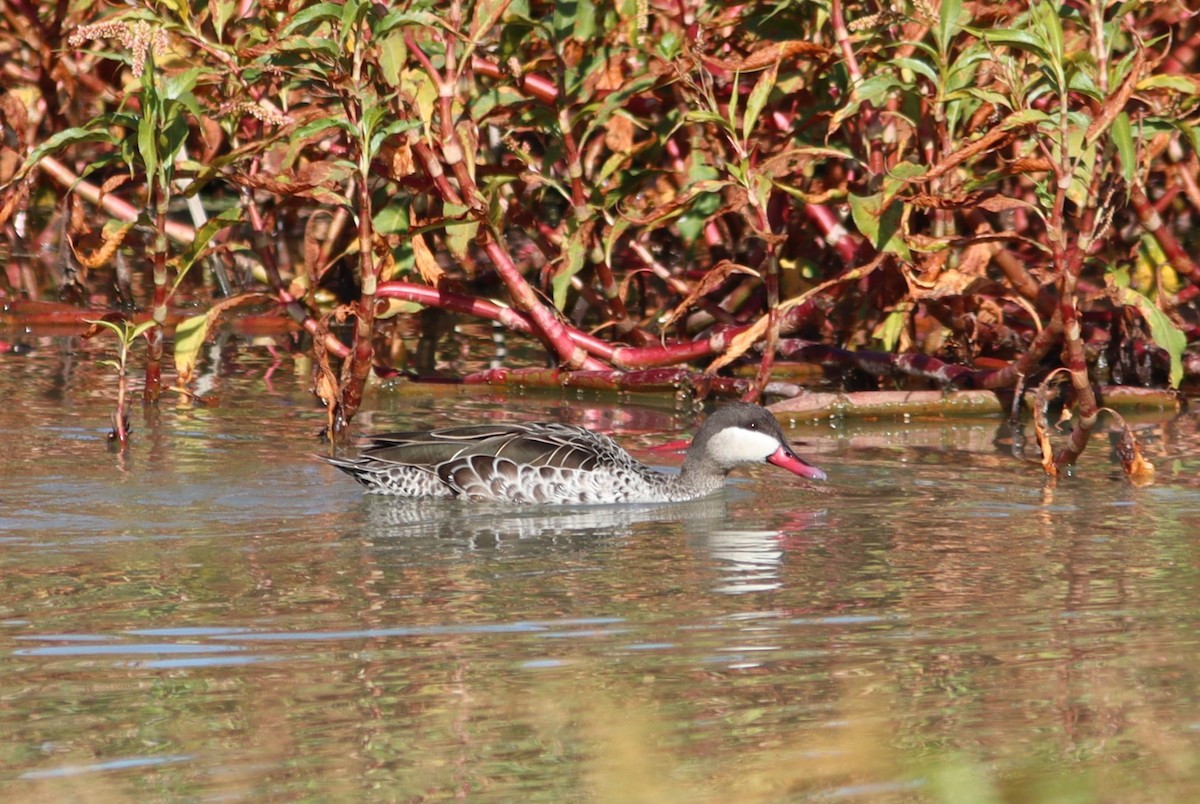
218 616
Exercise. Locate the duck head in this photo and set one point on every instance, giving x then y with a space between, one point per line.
742 434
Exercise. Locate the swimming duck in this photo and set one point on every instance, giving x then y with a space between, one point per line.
565 464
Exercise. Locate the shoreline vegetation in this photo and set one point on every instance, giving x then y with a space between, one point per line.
951 197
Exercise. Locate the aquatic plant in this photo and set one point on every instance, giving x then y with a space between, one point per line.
127 333
955 194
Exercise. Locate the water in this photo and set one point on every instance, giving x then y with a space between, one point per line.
218 616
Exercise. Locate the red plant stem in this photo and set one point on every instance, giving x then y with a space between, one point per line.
455 302
867 115
433 169
626 357
1179 259
119 415
549 328
537 86
1068 263
833 232
653 380
1027 363
154 336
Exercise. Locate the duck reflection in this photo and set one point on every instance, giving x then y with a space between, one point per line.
481 526
744 559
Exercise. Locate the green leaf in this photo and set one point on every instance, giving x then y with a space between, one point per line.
574 20
615 103
487 14
310 46
204 236
1024 118
918 66
321 124
147 144
222 14
174 87
63 139
949 23
701 116
392 56
883 227
1122 137
1019 40
143 327
988 96
576 254
395 19
1049 25
892 327
1163 331
312 16
758 99
393 218
1189 131
190 334
619 227
1176 83
117 329
873 90
461 229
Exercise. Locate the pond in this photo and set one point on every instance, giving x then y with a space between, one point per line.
218 615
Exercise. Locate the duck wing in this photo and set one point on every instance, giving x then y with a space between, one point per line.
512 462
560 446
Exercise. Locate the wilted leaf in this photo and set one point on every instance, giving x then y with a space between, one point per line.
1041 425
1139 470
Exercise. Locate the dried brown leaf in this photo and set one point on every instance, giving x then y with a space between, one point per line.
1000 203
772 53
713 279
994 139
794 160
320 181
427 263
960 201
740 344
1029 164
1115 103
111 240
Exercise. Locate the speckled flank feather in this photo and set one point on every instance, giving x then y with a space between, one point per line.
555 463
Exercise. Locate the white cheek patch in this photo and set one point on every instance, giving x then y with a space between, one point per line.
737 445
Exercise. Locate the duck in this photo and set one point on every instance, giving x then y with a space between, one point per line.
548 462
